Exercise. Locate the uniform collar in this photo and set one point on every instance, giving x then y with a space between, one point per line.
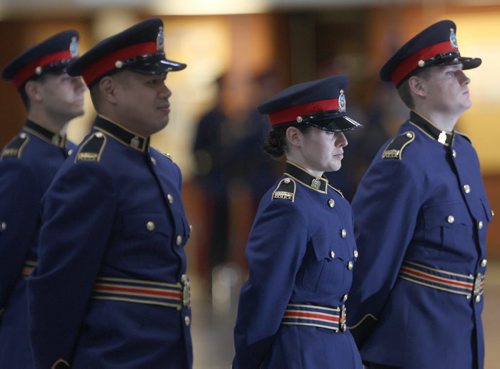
443 137
121 134
44 134
317 184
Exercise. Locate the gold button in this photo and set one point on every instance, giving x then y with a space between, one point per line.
484 262
150 226
178 240
478 298
454 153
153 160
99 134
331 203
451 219
480 224
170 199
3 226
355 254
350 265
287 180
187 321
409 135
332 254
22 135
492 213
343 233
466 188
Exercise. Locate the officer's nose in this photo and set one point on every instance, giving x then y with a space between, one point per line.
79 84
165 92
341 140
462 78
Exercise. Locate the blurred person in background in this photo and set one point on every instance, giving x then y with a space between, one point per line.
27 165
110 289
232 169
301 249
421 215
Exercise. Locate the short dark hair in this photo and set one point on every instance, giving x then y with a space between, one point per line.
404 89
276 141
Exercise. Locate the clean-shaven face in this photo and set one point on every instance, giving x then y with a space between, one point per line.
63 95
143 101
448 89
323 151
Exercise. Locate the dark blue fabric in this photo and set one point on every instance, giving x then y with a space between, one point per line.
23 180
401 212
289 253
96 215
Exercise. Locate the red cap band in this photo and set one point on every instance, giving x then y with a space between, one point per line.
411 63
29 70
107 63
291 114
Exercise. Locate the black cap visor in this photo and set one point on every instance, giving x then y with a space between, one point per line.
452 59
154 66
331 121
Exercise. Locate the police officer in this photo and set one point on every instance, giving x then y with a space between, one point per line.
421 215
110 289
27 165
301 249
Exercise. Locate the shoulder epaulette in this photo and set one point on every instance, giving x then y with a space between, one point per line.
92 148
395 149
14 148
336 190
166 154
285 189
464 136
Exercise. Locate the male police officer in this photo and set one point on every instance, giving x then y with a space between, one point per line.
110 289
421 215
27 165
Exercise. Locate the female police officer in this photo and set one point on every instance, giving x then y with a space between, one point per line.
301 249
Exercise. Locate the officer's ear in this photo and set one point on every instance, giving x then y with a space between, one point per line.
417 86
293 136
107 89
33 91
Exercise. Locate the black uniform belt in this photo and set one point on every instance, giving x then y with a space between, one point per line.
175 295
316 316
462 284
28 267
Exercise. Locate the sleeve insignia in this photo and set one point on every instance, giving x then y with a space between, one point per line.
92 148
395 149
15 147
285 190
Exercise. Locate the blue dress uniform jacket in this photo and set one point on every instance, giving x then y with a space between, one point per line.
27 165
301 253
421 215
110 289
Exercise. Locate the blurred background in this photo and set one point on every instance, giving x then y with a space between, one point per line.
239 52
